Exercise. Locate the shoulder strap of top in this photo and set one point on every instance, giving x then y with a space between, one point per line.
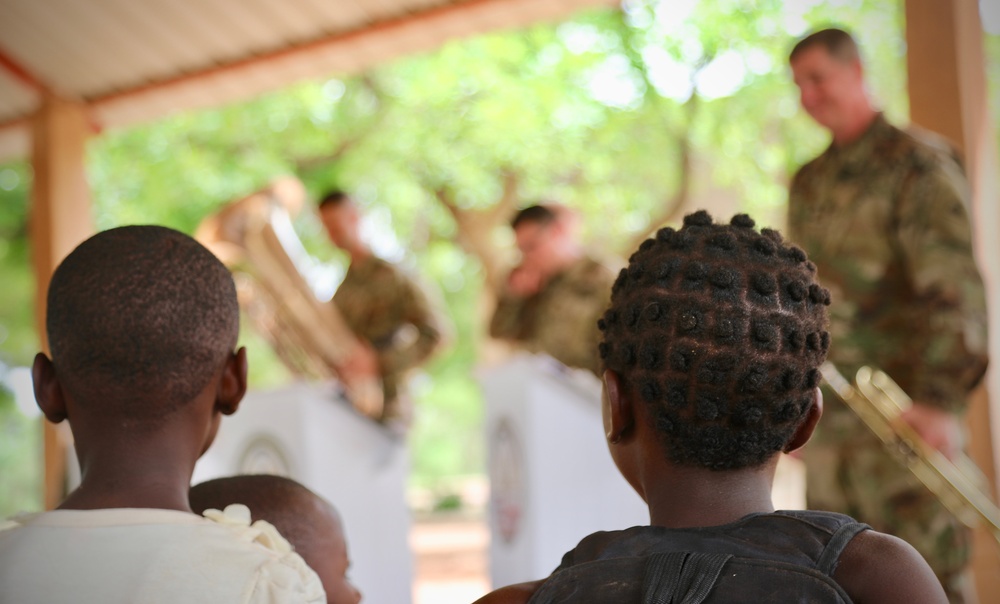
681 577
827 562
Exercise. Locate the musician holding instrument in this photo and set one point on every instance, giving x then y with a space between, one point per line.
395 317
883 213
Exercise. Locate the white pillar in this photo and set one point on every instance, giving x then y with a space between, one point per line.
59 220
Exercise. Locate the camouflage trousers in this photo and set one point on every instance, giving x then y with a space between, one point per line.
849 471
397 414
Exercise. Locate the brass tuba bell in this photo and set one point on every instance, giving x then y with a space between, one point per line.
254 237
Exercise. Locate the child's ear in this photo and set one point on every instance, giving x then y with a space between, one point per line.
805 430
619 415
48 390
233 384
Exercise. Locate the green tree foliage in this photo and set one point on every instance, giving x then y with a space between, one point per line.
633 116
20 438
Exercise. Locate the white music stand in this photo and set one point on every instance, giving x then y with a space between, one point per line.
552 480
307 432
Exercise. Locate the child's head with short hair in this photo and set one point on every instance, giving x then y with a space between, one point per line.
140 310
305 519
142 322
719 330
711 348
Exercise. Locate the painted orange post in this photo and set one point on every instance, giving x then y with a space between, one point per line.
60 219
949 95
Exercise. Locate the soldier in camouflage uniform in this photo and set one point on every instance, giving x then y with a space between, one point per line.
552 300
393 316
884 215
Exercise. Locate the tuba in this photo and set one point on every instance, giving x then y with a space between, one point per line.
879 401
254 237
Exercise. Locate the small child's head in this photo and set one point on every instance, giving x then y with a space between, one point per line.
306 520
719 331
141 322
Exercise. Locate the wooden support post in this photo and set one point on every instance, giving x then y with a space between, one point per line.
949 95
60 219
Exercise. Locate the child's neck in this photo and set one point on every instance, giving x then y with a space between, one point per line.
121 475
694 497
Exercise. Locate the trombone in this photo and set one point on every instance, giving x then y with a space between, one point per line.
879 401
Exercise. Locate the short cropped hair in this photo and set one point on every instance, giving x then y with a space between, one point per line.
292 508
720 330
540 214
139 319
840 44
333 199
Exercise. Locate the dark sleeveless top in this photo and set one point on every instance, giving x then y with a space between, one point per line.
785 557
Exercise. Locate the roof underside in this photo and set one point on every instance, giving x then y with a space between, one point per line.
136 60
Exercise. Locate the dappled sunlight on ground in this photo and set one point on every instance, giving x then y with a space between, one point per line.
451 558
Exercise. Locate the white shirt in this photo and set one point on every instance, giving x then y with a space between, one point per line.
150 556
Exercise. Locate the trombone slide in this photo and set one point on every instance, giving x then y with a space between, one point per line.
879 402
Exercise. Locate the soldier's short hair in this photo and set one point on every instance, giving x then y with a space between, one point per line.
540 214
840 44
333 198
139 319
720 330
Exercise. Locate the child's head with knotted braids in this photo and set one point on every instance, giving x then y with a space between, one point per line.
720 330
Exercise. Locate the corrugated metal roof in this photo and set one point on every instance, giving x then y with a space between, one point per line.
134 60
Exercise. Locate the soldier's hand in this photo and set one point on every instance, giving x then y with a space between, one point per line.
939 428
363 362
524 281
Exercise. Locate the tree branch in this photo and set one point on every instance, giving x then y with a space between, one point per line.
475 226
336 154
303 164
674 205
504 207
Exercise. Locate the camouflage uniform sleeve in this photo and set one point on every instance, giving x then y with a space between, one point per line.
574 338
605 279
935 240
508 318
794 216
432 328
